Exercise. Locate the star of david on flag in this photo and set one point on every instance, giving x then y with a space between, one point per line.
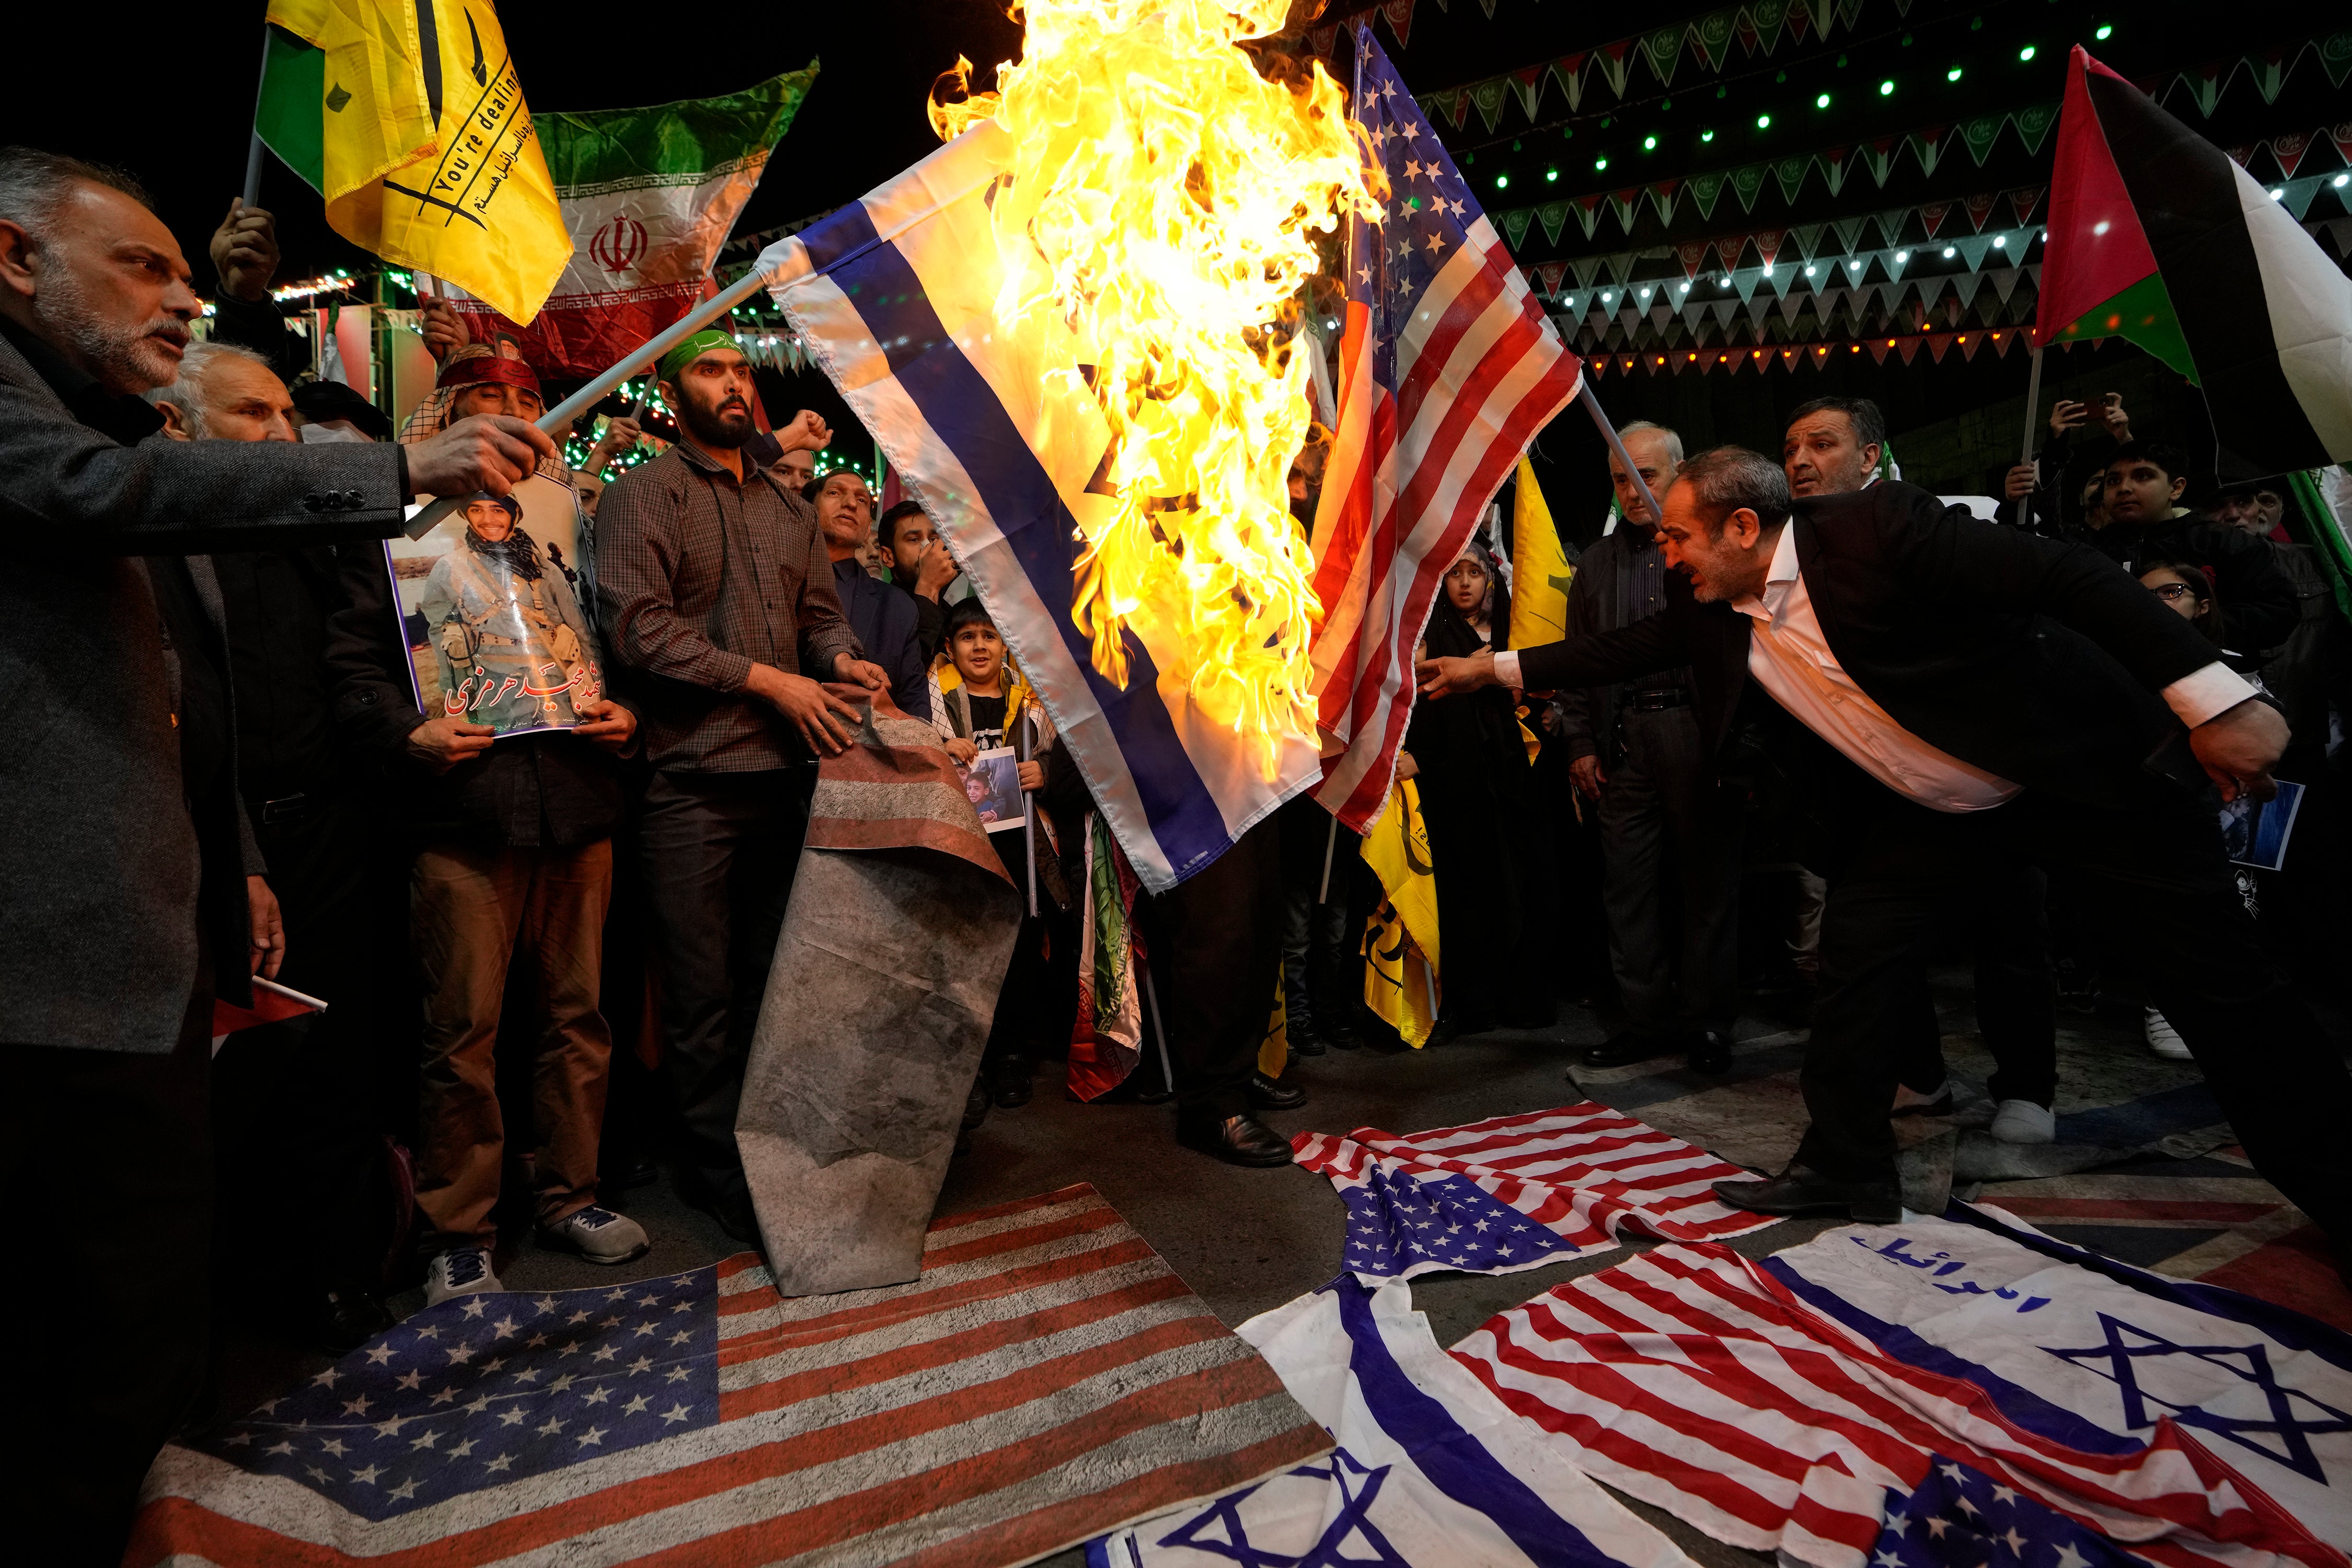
1431 1472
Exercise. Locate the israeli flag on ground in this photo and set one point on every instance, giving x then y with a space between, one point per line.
895 295
1432 1470
2083 1351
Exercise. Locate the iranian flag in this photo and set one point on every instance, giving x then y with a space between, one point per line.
2156 237
649 195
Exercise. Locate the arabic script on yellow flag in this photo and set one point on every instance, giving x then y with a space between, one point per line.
1540 568
430 161
1400 976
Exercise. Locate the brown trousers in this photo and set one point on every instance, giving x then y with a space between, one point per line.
473 911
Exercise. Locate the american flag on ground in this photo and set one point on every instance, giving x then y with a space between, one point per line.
1447 370
1697 1381
1047 1378
1517 1191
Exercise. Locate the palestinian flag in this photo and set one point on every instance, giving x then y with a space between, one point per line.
649 195
2156 237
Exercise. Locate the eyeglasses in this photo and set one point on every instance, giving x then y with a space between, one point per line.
2172 592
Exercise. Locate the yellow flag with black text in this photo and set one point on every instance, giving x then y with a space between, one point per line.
1540 568
1401 983
426 153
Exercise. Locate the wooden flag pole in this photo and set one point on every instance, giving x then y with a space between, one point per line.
2032 402
558 419
1609 434
253 151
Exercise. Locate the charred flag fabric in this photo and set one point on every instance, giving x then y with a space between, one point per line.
1517 1191
1431 1471
2157 236
896 297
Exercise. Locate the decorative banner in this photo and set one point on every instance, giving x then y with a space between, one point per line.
2034 124
1833 167
1930 146
1979 208
1981 133
1704 188
1553 215
1746 182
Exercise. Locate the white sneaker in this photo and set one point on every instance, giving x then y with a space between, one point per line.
2162 1037
461 1271
2022 1122
598 1234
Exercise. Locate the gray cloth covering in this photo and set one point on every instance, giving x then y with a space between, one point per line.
879 1003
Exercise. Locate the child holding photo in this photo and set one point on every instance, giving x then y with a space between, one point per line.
984 707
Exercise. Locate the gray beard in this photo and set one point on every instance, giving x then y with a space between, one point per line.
125 360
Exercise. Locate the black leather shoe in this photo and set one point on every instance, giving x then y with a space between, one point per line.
975 1106
1799 1191
1306 1042
1235 1140
1710 1051
1272 1094
343 1320
1624 1050
1008 1081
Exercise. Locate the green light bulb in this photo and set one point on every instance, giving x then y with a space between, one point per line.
1763 122
1822 101
1886 88
2026 53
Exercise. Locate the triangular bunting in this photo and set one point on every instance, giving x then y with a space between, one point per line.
1790 172
2297 195
1711 36
1932 215
1551 272
1767 242
1890 224
1979 208
2034 124
1981 133
1456 109
1849 231
1613 60
1400 15
1969 342
2022 202
1527 84
1938 342
1515 224
1965 286
2268 68
1908 348
1747 181
1878 347
1973 249
1586 268
1769 18
1488 97
1880 156
2004 281
1569 71
1588 212
1930 289
1703 190
1833 168
1553 215
1662 196
1321 39
1808 237
2336 56
2288 150
1929 145
1692 253
1661 47
1624 203
2204 84
1745 280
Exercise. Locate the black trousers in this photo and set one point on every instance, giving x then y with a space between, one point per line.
1663 810
718 852
2158 882
106 1156
1217 946
2016 992
1320 976
295 1124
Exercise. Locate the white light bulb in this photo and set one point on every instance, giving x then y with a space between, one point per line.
1949 252
2340 181
1809 269
2000 242
1901 257
1685 287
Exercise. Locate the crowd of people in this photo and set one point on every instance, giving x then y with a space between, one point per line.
559 904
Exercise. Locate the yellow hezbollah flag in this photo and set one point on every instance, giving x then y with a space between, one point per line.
1401 982
1540 568
427 153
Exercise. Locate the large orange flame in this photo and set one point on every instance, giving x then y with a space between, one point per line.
1163 206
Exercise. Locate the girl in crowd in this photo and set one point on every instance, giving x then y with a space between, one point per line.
1489 837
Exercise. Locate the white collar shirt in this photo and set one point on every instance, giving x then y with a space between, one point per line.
1790 659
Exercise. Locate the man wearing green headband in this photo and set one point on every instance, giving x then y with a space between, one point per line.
719 614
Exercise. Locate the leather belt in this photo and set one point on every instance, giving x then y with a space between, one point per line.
1656 702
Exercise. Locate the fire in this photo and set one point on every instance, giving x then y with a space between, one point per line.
1164 203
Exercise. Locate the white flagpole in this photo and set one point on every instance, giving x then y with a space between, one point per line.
1609 434
2032 402
558 418
1167 1073
252 150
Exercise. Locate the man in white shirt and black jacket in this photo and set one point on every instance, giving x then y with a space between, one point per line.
1994 698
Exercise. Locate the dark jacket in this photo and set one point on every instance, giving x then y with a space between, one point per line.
98 858
2257 596
2035 661
527 791
1600 599
883 617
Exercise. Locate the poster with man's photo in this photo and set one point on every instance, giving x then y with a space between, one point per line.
494 607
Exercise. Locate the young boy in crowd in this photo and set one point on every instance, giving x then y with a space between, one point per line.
985 709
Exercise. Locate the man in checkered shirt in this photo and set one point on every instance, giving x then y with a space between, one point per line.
720 615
